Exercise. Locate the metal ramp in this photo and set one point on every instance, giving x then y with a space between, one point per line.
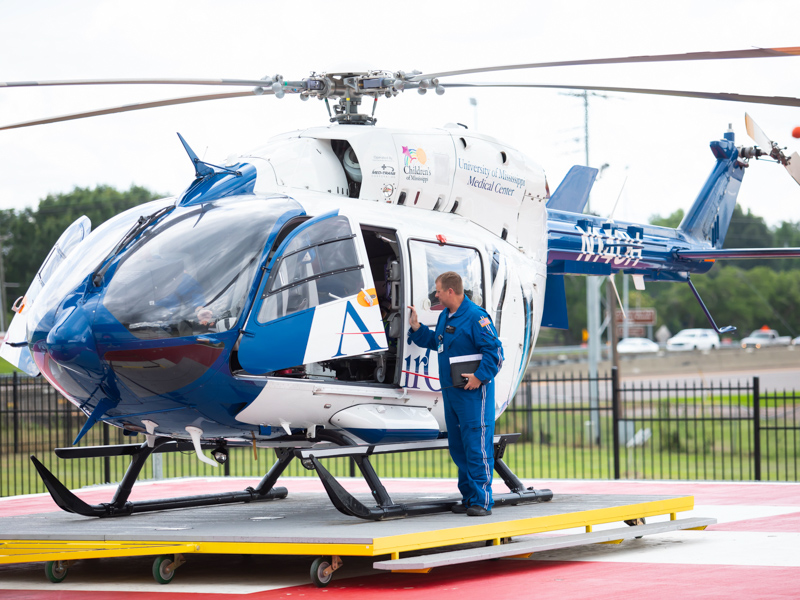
524 549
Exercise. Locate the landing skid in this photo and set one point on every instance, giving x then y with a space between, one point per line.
120 506
387 508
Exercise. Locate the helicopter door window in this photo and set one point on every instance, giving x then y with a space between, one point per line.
318 266
431 259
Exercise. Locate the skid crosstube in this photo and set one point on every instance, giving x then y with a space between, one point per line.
120 506
386 508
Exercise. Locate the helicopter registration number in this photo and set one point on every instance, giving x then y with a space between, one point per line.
615 245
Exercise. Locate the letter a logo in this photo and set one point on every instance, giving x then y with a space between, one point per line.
350 310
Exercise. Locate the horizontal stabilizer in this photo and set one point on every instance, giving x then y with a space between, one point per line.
739 253
573 193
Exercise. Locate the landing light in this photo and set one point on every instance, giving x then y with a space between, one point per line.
220 455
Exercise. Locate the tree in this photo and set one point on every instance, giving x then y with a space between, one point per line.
30 234
672 220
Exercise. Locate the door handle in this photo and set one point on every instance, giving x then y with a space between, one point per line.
210 342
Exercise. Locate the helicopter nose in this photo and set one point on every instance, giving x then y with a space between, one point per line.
71 344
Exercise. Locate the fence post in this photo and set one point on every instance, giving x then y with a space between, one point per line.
756 429
15 399
615 417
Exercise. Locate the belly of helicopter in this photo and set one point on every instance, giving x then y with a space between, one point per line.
373 414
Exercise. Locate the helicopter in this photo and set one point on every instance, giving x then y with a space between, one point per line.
267 304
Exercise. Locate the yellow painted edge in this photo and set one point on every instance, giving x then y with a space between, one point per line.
287 548
588 529
490 531
611 542
69 551
701 528
19 551
428 570
528 555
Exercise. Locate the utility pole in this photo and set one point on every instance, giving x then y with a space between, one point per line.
625 294
611 306
592 295
2 285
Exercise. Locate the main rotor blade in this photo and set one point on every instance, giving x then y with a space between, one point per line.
131 107
244 82
727 54
776 100
756 133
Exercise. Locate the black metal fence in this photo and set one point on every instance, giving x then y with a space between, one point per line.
573 427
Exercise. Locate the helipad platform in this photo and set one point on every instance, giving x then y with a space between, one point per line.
307 524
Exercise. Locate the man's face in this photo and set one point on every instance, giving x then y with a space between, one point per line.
446 297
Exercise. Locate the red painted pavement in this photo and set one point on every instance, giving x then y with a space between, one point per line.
514 580
789 523
503 579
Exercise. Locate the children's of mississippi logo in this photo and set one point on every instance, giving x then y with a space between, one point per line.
414 154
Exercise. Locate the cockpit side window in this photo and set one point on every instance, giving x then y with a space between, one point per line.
319 265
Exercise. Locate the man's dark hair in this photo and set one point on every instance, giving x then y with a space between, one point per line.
451 279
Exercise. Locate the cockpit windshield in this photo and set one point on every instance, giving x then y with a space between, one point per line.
191 273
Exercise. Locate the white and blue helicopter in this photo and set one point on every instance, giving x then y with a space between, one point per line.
267 303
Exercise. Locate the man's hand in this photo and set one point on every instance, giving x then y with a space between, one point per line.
413 320
473 383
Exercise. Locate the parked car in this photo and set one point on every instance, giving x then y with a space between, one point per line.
636 346
763 337
694 339
796 341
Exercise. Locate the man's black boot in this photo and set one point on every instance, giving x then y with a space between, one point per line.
478 511
459 508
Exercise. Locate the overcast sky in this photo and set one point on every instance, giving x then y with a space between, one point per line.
659 144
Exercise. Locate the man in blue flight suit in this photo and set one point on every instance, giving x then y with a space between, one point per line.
465 331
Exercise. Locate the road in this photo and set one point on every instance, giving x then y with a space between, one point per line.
770 379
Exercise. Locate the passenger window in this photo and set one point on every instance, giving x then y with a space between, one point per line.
428 261
319 265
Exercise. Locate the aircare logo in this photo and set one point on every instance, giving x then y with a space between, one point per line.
416 172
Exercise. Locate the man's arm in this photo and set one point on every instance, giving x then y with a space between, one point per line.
419 333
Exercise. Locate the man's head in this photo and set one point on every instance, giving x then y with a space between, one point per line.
450 290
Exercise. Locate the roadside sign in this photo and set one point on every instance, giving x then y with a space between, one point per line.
639 316
633 331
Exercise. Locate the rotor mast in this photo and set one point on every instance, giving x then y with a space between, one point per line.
350 89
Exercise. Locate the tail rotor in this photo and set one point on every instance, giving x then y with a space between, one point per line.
771 149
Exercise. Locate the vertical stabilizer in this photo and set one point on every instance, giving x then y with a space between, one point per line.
572 193
710 215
